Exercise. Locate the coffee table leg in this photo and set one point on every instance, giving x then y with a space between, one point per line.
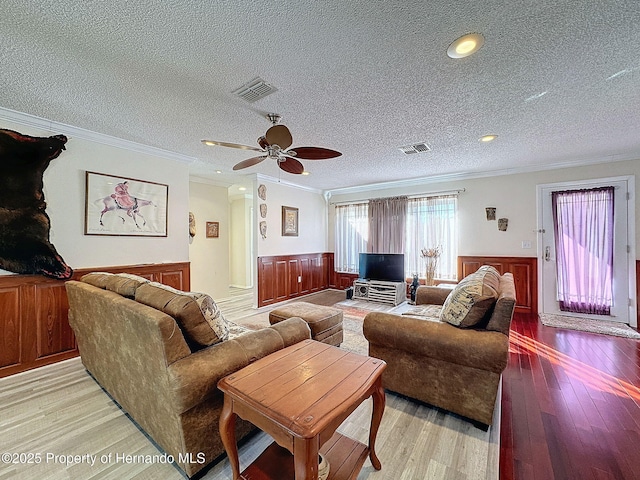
305 458
378 409
228 435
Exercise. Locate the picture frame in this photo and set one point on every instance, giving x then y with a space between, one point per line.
213 229
289 221
123 206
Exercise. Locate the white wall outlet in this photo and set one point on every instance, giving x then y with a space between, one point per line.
526 244
299 278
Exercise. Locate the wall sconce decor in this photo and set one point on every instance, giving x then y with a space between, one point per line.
491 213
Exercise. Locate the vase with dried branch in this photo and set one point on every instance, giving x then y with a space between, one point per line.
431 256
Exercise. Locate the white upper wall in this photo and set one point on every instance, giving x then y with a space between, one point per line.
514 197
209 256
64 190
312 217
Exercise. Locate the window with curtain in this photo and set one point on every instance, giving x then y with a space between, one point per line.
351 235
431 223
387 225
583 227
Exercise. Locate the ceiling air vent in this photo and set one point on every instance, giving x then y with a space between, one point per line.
417 148
254 90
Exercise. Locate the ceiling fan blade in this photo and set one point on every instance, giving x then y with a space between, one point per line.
279 135
315 153
291 165
231 145
249 162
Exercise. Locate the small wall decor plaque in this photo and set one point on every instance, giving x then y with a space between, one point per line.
289 221
262 192
213 229
491 213
192 224
263 210
502 224
263 230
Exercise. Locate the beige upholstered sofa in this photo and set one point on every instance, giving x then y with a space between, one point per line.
455 366
158 353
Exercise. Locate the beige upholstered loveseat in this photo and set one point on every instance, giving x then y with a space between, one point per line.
158 353
453 367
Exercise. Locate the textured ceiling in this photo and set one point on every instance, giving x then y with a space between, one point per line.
363 77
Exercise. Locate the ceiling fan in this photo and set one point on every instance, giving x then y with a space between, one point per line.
274 144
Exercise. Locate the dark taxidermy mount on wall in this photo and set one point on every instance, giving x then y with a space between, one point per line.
24 224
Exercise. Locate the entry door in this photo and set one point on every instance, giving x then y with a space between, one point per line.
622 293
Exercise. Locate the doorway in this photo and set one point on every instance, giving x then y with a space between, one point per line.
623 309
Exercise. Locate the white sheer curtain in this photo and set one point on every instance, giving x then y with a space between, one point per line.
387 224
432 222
351 235
583 224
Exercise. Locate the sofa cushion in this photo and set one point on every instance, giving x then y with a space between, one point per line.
124 284
198 316
430 312
469 302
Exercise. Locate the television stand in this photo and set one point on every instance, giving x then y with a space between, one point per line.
379 291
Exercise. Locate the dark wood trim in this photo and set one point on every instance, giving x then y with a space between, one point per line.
34 311
283 277
525 275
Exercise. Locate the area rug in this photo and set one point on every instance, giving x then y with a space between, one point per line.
587 325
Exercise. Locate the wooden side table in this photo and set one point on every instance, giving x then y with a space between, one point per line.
300 395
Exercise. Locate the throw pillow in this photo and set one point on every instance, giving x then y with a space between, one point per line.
197 315
471 299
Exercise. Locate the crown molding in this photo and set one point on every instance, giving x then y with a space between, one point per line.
267 178
210 181
473 175
76 132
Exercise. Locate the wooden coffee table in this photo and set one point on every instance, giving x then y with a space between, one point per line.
300 395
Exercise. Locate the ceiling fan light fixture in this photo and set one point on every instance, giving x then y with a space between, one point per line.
465 45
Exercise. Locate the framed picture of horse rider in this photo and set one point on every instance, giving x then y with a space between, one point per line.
125 206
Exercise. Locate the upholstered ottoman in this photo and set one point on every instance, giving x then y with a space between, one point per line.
325 322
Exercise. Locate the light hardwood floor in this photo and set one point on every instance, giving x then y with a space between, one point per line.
59 410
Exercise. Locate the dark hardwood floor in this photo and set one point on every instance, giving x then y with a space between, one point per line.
570 405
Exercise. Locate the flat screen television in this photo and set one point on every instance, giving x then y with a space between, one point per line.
387 267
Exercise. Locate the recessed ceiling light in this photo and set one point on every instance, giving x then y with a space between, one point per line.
242 189
306 173
465 45
488 138
218 171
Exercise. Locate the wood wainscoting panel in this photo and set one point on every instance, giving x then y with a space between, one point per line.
34 314
344 280
525 276
53 332
283 277
10 326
